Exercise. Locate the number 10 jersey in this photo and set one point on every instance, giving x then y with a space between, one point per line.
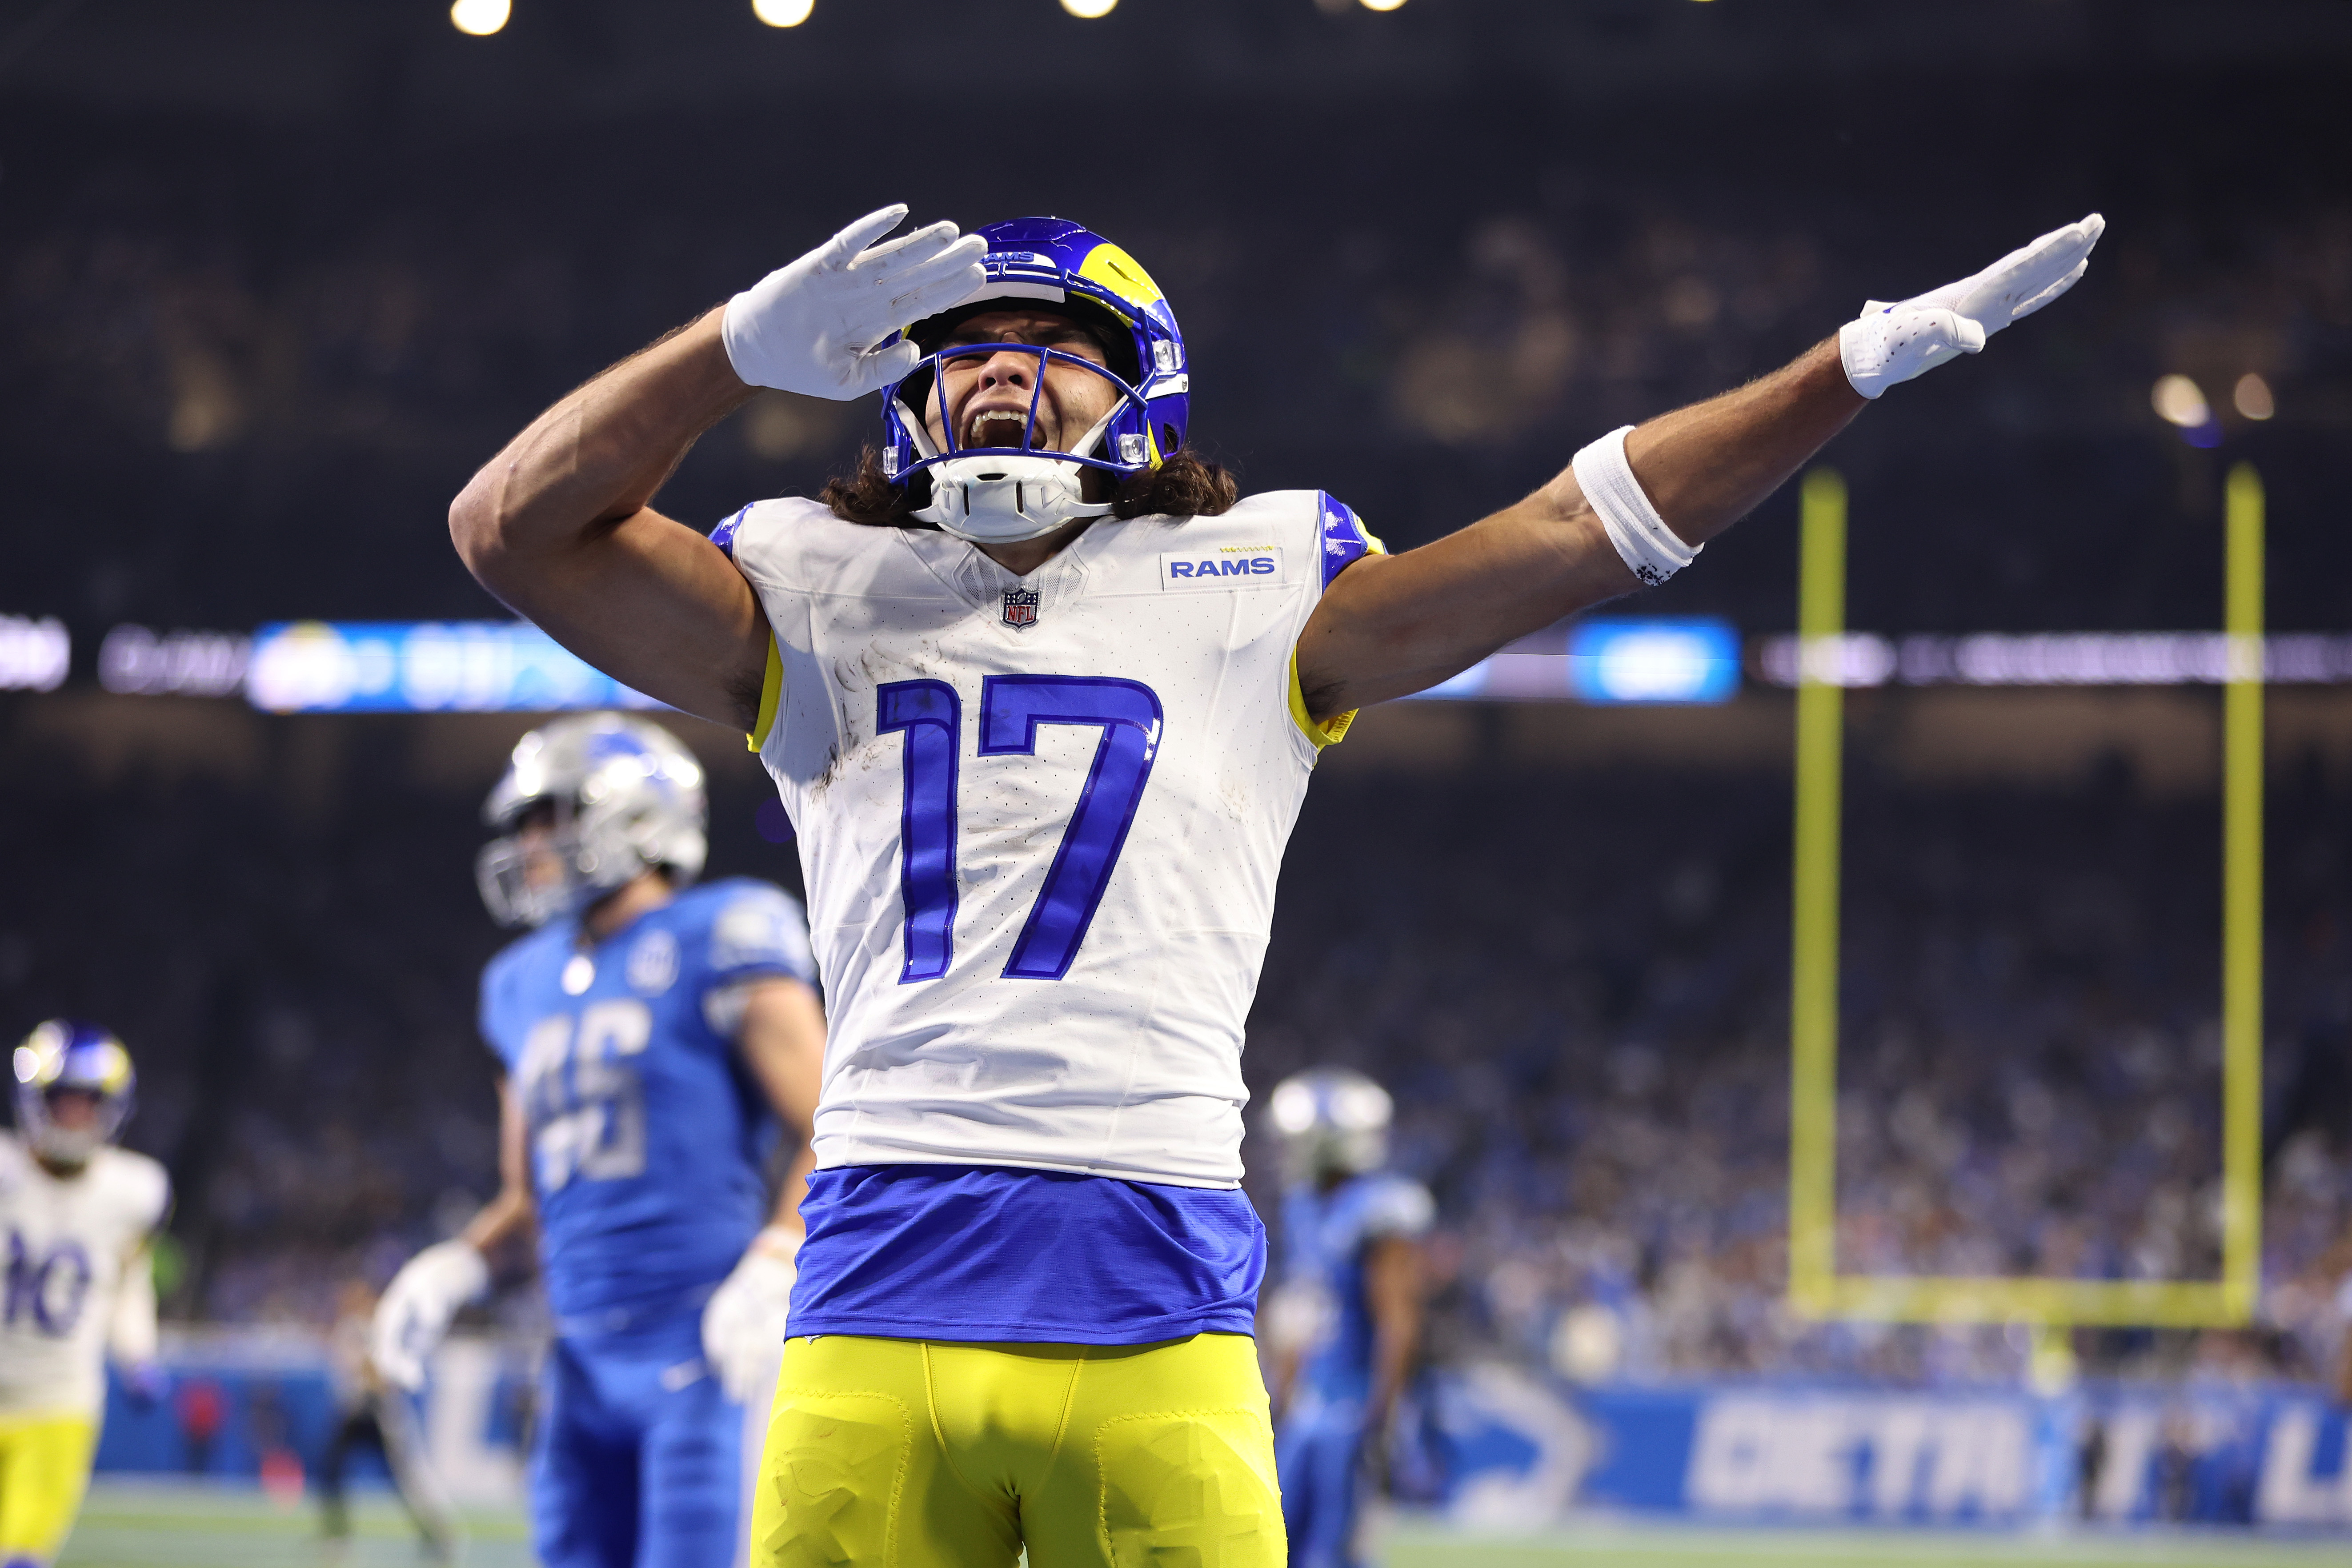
1040 819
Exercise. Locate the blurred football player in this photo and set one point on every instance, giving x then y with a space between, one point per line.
370 1415
1345 1319
650 1034
1041 698
81 1216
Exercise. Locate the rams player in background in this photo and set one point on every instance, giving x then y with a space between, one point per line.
650 1034
79 1215
1042 695
1345 1320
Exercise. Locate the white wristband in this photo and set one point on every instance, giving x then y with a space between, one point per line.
1643 541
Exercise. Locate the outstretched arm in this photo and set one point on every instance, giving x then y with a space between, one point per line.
561 524
1390 625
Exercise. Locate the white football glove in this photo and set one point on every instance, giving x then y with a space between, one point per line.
1891 343
743 1324
415 1312
814 326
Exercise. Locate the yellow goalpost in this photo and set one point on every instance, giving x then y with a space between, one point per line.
1816 1289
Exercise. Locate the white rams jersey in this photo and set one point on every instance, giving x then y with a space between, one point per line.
1041 820
68 1241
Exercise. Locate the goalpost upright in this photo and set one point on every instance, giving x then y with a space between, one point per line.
1816 1289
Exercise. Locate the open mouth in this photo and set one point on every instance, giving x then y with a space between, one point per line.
997 427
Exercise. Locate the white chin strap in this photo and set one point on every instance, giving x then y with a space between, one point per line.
996 499
1003 498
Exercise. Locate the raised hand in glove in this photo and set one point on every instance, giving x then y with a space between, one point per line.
1888 344
743 1324
819 325
415 1312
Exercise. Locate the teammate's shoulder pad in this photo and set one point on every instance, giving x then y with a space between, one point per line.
512 959
144 1185
1397 1206
754 924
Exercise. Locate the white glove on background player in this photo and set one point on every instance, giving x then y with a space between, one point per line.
814 326
743 1324
1889 345
415 1312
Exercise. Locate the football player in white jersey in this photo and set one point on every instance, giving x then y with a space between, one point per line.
1043 698
80 1215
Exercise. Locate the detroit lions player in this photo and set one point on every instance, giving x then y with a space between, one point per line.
650 1033
80 1215
1042 699
1347 1312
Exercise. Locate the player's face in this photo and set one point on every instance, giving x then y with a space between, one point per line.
987 395
543 862
73 1110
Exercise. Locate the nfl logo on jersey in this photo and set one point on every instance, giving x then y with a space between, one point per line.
1020 607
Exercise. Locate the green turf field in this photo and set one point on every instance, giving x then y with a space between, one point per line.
144 1525
130 1525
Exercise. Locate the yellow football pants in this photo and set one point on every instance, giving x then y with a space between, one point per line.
44 1469
918 1454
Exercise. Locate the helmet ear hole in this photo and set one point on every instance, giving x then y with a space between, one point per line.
1169 440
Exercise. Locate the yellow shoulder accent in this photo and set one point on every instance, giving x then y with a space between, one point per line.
771 691
1323 736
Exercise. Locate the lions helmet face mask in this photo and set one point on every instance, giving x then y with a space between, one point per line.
1332 1121
619 796
62 1057
1000 495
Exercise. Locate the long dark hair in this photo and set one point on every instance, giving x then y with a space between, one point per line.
1185 484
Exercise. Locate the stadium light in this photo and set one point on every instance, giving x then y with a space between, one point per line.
2179 401
2254 398
1382 4
1089 9
782 12
479 18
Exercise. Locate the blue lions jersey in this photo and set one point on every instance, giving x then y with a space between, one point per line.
647 1134
1325 1237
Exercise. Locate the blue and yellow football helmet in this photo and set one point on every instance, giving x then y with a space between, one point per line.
1000 494
64 1056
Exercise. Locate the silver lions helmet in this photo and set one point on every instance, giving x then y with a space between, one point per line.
587 805
74 1086
1332 1121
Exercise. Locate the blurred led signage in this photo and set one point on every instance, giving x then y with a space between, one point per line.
137 660
33 654
422 666
1652 661
2049 658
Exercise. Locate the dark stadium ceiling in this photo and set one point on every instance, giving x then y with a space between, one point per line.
400 60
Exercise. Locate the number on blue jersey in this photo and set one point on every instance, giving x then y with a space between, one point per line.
581 1096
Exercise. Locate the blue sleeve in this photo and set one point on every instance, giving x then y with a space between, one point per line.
1346 540
1395 1206
723 535
756 929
